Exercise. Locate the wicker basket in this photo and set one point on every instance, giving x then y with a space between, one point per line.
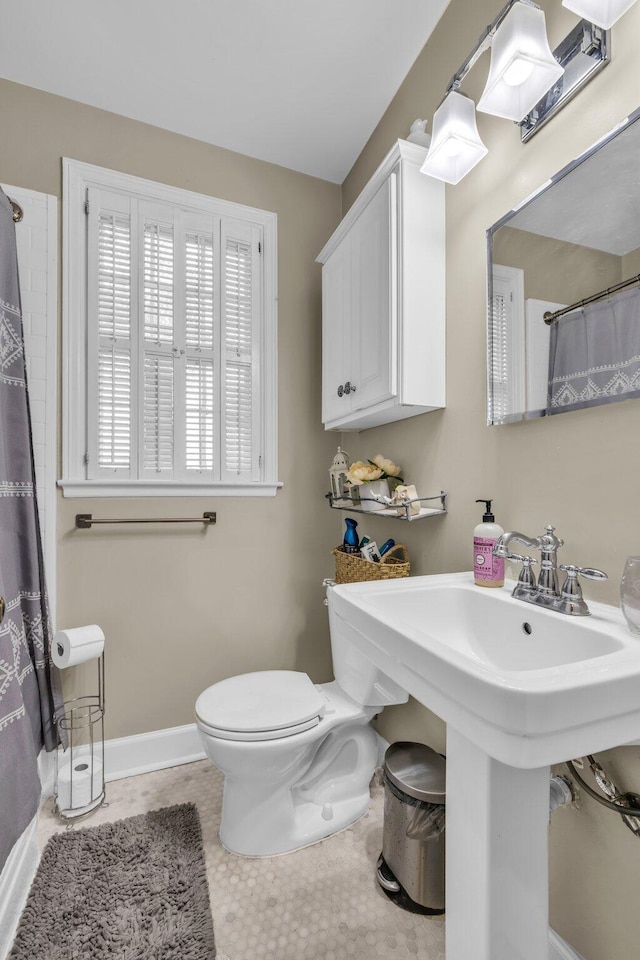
350 568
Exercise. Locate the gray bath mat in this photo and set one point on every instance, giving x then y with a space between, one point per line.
135 889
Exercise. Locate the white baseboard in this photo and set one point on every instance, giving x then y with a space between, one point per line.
157 750
559 949
15 880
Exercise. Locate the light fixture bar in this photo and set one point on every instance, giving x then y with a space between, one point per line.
583 53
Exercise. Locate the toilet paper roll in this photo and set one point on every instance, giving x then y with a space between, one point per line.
77 645
86 788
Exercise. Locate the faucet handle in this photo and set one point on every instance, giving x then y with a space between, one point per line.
527 580
589 573
571 599
518 558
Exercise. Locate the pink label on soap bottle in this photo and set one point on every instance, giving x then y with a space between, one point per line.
485 565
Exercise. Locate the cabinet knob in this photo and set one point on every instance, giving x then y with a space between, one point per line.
349 388
341 390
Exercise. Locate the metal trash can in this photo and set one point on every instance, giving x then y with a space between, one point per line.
411 867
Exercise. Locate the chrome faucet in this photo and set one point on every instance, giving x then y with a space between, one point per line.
546 592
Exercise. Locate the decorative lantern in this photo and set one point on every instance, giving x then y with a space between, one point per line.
340 492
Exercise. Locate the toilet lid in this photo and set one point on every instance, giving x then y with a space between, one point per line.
259 702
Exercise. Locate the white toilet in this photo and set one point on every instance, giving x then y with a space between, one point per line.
297 757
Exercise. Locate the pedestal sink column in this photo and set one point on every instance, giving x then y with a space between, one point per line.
497 886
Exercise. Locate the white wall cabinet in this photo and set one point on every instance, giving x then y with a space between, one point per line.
383 299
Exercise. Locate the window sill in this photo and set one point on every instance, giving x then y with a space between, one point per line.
137 488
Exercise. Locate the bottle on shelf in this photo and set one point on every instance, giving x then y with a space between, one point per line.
351 542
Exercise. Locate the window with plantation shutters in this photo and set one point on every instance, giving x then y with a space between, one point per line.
179 340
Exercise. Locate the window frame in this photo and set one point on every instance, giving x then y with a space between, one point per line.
78 179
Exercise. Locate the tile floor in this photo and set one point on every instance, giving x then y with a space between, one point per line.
320 903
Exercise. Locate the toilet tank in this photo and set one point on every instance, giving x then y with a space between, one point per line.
355 674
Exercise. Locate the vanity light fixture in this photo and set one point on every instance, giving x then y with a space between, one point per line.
522 68
527 83
604 13
456 146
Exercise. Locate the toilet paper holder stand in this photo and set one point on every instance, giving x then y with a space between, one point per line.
79 785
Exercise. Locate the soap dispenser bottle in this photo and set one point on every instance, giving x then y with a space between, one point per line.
488 570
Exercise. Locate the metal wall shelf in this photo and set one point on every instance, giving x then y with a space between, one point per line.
391 512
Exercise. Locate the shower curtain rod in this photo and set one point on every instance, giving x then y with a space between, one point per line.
550 318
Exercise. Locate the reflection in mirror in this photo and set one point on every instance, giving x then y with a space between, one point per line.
564 288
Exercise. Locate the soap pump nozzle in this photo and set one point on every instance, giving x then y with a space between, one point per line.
488 516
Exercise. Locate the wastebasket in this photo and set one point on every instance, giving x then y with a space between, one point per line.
411 866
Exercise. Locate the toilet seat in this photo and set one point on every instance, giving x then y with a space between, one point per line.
265 705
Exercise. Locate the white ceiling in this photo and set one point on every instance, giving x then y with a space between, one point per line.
295 82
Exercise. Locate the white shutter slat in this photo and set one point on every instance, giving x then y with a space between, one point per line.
157 414
109 334
114 408
199 401
507 345
241 306
238 419
158 282
238 296
199 329
114 275
499 357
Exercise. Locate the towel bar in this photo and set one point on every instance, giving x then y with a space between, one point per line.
84 521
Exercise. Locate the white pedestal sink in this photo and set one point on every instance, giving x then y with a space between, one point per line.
520 688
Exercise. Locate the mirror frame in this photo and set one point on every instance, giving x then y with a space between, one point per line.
543 188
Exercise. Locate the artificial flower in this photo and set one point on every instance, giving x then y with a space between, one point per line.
360 472
388 467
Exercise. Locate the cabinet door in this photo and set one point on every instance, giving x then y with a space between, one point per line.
336 332
373 369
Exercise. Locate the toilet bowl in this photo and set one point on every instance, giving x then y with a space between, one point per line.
297 757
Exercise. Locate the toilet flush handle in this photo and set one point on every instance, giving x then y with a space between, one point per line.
327 583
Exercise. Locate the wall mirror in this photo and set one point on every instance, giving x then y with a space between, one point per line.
564 288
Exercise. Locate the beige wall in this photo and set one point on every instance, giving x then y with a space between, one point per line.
182 608
579 470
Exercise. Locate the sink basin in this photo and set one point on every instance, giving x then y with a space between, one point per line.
520 687
529 685
491 629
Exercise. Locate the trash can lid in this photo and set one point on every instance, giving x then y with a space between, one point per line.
417 770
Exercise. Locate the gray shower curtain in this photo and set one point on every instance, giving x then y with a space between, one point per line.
29 683
594 354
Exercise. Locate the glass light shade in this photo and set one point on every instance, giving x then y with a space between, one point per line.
603 13
522 67
456 146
